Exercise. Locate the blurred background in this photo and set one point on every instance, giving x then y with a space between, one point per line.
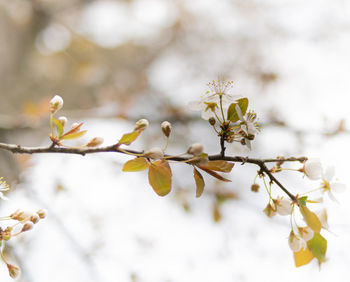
114 62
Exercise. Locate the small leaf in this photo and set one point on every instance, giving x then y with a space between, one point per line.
128 138
159 177
311 219
199 182
136 164
232 113
214 174
222 166
73 135
303 257
318 246
58 126
302 200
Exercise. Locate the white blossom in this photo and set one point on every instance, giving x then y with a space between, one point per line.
331 186
295 242
195 149
283 206
306 233
56 104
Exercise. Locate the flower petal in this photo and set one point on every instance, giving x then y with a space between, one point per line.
338 187
329 173
313 169
239 112
331 196
196 105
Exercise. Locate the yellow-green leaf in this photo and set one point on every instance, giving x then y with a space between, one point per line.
303 257
318 247
232 113
199 182
159 177
311 219
58 126
136 164
214 174
222 166
74 135
128 138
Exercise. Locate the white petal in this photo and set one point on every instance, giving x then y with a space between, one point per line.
196 105
338 187
244 128
306 233
207 114
3 197
329 173
251 128
331 196
284 207
239 112
248 143
313 169
323 217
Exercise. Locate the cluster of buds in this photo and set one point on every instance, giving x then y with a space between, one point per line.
25 221
74 132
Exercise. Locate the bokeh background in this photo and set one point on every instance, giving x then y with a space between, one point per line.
115 62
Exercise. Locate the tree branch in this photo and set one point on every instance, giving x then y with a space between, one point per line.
18 149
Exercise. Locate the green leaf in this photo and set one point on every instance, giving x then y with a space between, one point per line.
222 166
73 135
58 126
128 138
302 200
318 247
136 164
303 257
159 177
214 174
311 219
232 113
199 182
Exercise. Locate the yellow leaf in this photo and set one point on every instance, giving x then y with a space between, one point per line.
310 218
159 177
128 138
303 257
199 182
136 164
318 246
222 166
232 113
73 135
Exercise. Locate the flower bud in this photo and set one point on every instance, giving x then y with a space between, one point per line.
283 206
269 210
56 104
34 218
255 187
6 234
27 226
74 126
63 121
21 215
141 124
295 242
212 121
13 270
155 153
306 233
94 142
166 128
42 213
195 149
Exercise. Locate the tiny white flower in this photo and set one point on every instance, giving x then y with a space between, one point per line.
56 104
155 153
283 206
3 188
313 169
295 242
195 149
306 233
331 186
141 124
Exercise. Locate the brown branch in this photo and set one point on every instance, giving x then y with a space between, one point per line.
17 149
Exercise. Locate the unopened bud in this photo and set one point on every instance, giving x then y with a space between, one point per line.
74 126
155 153
212 121
27 226
34 218
63 121
166 128
56 104
195 149
42 213
13 270
6 234
255 187
141 124
94 142
21 215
